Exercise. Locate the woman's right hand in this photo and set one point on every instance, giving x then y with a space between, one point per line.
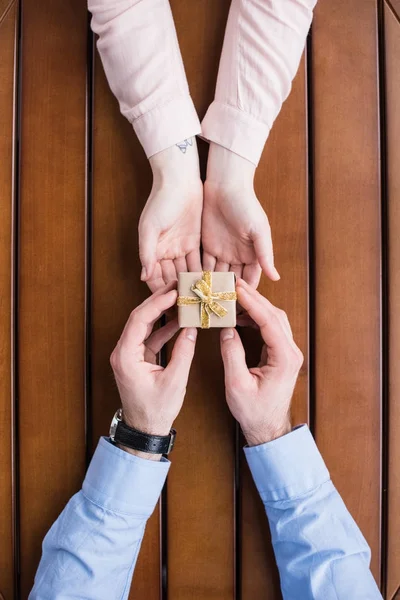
169 227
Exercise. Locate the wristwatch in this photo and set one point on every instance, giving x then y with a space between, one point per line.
121 433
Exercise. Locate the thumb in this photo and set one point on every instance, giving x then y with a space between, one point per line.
182 355
148 239
233 356
265 254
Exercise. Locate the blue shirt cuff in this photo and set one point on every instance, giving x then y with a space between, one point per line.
122 483
287 467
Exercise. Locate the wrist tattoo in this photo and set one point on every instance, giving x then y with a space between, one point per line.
183 146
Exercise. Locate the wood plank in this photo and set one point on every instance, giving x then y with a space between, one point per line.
394 5
347 256
121 185
8 38
200 484
52 268
281 185
392 47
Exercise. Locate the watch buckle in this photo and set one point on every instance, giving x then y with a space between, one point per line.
114 424
171 440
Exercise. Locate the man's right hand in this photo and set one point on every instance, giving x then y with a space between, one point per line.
259 398
151 395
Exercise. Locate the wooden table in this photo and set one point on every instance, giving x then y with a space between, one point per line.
73 182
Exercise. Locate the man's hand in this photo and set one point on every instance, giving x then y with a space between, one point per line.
169 227
259 398
236 234
152 396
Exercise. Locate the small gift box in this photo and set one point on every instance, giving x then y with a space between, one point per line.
206 299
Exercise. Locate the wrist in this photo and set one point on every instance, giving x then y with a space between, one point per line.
179 163
257 435
148 426
226 167
145 455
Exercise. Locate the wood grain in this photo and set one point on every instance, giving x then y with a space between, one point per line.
392 43
200 484
281 185
52 268
121 184
8 37
395 6
397 595
347 256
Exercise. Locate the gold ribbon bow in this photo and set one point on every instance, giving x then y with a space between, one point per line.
207 299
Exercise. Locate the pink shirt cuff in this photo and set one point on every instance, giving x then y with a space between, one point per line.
166 125
235 130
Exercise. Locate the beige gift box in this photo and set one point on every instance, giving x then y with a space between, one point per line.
206 299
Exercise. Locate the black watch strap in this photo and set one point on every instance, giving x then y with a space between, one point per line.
121 433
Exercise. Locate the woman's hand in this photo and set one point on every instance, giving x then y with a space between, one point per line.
236 234
260 398
151 395
169 227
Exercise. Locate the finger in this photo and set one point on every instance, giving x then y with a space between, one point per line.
286 324
209 262
160 337
221 266
156 282
245 320
252 274
182 356
265 254
276 313
141 318
180 265
162 290
168 270
265 315
148 239
233 356
193 261
237 269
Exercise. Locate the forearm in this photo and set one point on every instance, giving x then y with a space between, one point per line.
320 551
263 44
142 61
91 550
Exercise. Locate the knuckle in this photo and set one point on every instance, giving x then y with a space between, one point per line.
177 385
186 355
114 359
299 357
281 314
235 385
134 313
274 316
294 359
119 360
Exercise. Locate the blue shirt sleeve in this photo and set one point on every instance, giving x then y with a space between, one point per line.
320 551
90 552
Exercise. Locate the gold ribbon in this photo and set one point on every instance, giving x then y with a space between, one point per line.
207 299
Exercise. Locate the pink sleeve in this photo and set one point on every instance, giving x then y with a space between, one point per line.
264 41
142 61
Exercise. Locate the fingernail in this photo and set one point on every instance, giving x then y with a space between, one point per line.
275 272
227 334
143 274
191 333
